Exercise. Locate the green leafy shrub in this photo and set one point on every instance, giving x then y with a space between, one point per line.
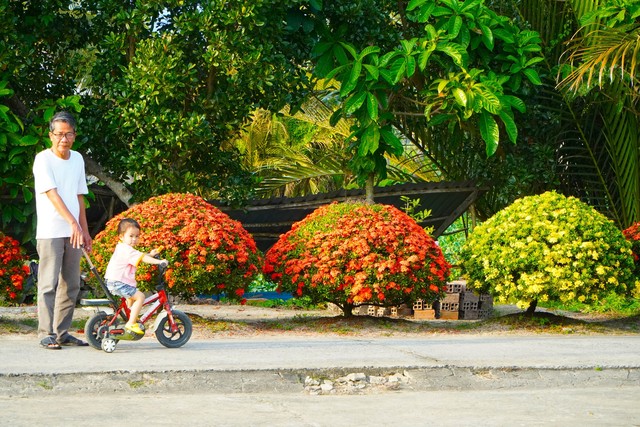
353 254
13 270
548 248
208 252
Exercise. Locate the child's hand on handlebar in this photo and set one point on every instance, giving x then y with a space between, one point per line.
156 251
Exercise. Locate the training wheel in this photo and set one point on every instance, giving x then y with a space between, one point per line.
108 345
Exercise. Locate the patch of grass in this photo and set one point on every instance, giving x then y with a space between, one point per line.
18 326
136 384
464 326
293 303
612 304
29 325
545 322
211 325
540 322
46 384
78 324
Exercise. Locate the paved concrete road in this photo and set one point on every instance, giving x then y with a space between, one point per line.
21 355
567 407
453 380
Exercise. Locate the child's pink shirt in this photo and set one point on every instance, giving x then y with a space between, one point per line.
123 264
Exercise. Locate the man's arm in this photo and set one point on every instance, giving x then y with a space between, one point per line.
77 233
86 238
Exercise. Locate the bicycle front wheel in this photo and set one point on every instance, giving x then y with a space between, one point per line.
176 339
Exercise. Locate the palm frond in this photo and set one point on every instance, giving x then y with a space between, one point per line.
603 56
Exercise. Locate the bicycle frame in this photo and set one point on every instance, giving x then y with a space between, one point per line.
154 303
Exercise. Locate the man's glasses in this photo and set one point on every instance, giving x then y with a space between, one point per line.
68 135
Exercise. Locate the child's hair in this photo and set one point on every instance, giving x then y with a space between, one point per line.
126 224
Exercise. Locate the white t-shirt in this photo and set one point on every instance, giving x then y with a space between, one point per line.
123 264
68 178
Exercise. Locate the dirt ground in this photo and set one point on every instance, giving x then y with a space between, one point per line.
212 319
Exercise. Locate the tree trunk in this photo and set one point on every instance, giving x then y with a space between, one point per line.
532 307
347 310
369 189
118 188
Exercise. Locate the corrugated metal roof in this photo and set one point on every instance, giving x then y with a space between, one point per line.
267 219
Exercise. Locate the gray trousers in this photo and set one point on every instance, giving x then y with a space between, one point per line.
58 286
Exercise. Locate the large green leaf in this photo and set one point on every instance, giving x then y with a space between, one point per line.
369 141
509 125
354 102
352 81
490 132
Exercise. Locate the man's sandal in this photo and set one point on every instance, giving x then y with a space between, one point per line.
73 341
50 343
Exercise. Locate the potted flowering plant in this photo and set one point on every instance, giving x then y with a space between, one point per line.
548 247
13 270
208 252
353 254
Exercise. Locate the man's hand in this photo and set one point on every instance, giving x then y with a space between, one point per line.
77 236
88 242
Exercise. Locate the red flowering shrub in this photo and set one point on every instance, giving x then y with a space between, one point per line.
13 270
353 254
208 252
632 234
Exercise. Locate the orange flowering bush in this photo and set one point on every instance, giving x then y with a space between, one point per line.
13 270
353 254
208 252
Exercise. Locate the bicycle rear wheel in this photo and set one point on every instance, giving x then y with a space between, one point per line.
92 326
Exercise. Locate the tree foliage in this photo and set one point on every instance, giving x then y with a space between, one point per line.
178 80
444 63
164 85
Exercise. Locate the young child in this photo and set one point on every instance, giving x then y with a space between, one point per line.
121 270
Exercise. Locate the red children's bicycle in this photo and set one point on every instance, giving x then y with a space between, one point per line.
104 329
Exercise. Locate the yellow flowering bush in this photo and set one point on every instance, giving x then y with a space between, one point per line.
208 252
548 248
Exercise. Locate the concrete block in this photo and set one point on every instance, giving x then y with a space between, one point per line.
469 314
449 315
424 314
449 306
456 286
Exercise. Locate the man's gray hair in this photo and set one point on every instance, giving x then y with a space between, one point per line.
62 116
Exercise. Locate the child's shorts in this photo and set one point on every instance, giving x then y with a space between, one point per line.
121 289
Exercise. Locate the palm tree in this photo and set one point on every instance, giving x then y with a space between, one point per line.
315 160
296 154
593 108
